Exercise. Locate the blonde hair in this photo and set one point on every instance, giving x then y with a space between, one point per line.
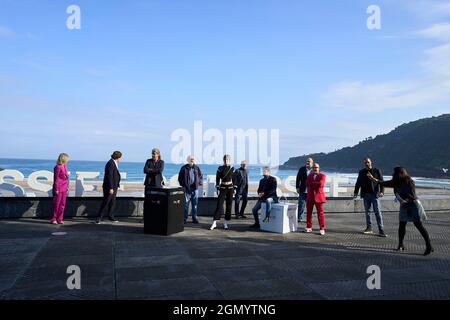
62 158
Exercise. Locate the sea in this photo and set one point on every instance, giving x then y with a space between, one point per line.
135 173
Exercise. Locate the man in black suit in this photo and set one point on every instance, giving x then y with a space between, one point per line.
300 184
111 182
240 180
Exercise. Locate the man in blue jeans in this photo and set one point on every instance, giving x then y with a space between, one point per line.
300 184
370 193
190 178
267 193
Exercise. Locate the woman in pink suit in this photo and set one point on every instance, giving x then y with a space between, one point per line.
60 188
315 183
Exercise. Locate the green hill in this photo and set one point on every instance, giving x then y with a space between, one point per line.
422 147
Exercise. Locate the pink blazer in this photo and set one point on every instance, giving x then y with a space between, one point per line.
60 178
315 188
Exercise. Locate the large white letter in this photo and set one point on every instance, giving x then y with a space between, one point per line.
374 21
198 141
74 20
374 280
183 148
17 176
33 182
74 280
274 158
241 147
213 152
80 186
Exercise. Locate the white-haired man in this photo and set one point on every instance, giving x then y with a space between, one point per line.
190 178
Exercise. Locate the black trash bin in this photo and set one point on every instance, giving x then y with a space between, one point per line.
163 211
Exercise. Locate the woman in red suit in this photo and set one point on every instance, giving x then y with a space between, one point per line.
315 197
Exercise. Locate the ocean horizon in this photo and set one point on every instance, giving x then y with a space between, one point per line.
135 173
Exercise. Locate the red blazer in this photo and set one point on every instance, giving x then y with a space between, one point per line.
315 188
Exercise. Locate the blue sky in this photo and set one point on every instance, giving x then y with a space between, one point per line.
138 70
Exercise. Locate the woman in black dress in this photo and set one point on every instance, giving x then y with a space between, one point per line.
405 192
225 190
153 169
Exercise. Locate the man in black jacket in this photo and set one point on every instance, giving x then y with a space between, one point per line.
370 193
267 192
153 170
300 184
240 181
111 182
190 179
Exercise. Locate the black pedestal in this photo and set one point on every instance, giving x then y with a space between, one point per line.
163 211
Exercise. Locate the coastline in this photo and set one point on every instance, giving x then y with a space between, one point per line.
416 173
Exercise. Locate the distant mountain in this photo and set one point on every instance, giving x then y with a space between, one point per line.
422 147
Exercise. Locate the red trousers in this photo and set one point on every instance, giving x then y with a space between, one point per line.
59 203
309 210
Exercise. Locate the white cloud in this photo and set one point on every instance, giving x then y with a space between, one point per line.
439 31
437 8
437 63
432 87
6 32
426 9
374 97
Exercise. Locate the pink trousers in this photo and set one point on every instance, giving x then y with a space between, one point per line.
59 203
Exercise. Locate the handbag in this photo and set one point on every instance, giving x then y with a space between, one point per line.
421 210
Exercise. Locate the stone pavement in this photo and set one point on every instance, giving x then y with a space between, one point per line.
119 261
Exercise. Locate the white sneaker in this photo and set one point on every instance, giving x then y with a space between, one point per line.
308 230
213 226
322 232
225 225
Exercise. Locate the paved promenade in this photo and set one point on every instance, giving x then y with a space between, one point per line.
119 261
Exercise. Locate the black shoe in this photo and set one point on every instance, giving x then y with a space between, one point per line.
255 226
195 221
243 216
185 221
97 221
237 217
382 234
400 248
428 251
113 220
368 231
